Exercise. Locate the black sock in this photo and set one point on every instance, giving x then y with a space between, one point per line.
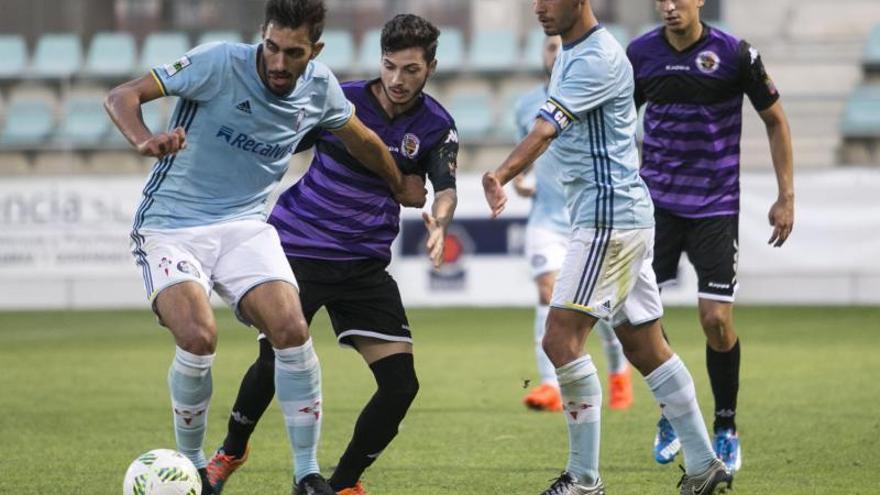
377 425
206 487
724 375
254 396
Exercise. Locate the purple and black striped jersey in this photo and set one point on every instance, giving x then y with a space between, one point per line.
340 210
693 118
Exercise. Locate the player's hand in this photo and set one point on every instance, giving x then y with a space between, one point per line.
436 238
166 143
781 218
522 188
413 192
495 195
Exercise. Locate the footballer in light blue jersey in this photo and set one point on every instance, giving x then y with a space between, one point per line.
548 203
591 104
240 135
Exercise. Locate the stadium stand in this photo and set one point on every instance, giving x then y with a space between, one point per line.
163 48
472 110
29 123
212 36
111 54
84 124
338 52
450 51
369 53
871 63
494 51
13 56
57 56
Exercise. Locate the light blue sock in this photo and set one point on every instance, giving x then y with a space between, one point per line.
298 387
617 362
546 370
582 402
673 387
190 382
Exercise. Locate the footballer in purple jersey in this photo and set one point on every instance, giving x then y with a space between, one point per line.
692 78
336 227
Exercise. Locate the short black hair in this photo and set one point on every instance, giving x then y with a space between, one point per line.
410 31
294 13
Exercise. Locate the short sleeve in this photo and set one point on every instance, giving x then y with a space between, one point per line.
638 92
586 84
441 162
197 76
756 82
337 109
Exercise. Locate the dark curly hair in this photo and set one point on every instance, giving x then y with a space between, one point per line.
294 13
409 31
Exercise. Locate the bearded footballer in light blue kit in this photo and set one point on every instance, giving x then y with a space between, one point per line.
587 127
547 233
201 224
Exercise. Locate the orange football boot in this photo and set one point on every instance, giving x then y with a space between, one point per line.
545 397
357 489
621 390
221 467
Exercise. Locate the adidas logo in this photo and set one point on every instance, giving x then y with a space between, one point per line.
606 305
244 106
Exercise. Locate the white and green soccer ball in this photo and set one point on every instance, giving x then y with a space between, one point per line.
162 472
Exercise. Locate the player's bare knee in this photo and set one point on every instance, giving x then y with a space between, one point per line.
292 331
199 338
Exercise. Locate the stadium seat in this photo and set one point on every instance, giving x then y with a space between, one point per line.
872 50
450 50
494 51
84 123
370 52
861 118
111 54
620 33
338 51
212 36
13 56
506 128
28 122
534 49
57 55
473 114
163 48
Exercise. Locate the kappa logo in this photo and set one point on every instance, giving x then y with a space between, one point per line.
244 106
452 137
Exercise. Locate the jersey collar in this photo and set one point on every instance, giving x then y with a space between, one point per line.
569 46
703 36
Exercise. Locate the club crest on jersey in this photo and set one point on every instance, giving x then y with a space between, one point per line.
179 65
410 145
300 116
708 62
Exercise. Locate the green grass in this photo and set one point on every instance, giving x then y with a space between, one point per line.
83 393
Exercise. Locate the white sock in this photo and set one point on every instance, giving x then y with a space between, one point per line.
298 387
190 382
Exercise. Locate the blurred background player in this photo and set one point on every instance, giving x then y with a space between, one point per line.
337 225
588 127
692 77
242 111
547 234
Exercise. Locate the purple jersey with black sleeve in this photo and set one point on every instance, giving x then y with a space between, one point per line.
340 210
693 118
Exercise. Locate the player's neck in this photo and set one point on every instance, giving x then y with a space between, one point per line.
682 40
580 28
391 109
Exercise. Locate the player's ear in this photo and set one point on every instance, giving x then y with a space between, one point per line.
316 49
432 67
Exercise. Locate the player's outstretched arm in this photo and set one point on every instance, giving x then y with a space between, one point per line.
363 143
526 152
437 222
123 103
781 214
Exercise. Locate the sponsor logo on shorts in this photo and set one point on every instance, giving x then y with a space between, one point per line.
539 260
716 285
165 265
188 268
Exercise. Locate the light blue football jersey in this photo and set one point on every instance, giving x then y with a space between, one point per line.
591 104
239 135
548 205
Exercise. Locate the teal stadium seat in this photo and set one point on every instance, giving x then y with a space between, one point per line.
29 122
212 36
450 50
84 123
163 48
494 51
111 54
13 56
861 117
338 52
531 57
370 53
57 55
506 129
872 50
473 114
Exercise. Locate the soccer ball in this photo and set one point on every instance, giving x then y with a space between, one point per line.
162 472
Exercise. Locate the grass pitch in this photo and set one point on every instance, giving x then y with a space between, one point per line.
83 393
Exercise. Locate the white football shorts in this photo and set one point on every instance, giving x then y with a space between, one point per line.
231 258
607 274
545 249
